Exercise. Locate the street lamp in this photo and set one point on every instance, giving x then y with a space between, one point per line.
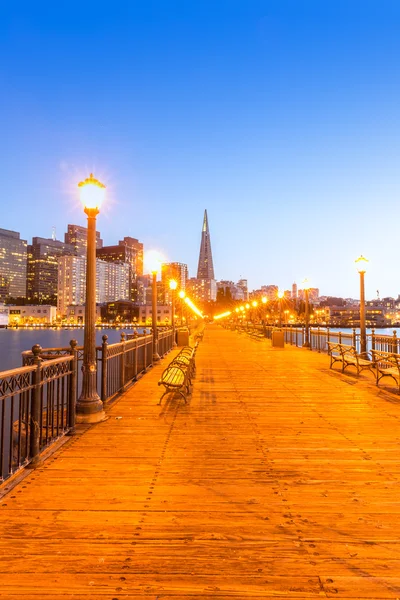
306 288
172 286
153 263
280 296
361 264
254 312
89 407
182 296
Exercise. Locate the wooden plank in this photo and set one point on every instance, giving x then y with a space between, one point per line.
279 478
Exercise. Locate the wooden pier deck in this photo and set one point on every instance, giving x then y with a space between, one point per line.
279 478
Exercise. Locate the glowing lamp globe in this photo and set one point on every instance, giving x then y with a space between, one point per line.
153 261
92 192
181 294
361 264
173 284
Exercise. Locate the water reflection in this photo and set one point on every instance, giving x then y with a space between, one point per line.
15 341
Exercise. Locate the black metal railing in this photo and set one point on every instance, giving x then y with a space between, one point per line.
38 399
319 337
37 407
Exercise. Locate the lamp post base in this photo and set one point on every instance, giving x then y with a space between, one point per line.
156 357
306 345
96 417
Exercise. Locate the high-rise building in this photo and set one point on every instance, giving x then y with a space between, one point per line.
42 271
129 250
202 290
13 253
243 285
205 268
294 291
204 287
228 290
270 291
173 270
112 282
77 236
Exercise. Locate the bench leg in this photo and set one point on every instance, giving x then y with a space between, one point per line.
159 402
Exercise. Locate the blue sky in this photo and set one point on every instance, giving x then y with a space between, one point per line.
281 118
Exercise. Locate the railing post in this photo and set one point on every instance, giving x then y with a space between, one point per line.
354 338
122 362
136 357
373 339
319 339
327 334
104 367
144 349
394 345
72 389
35 420
340 337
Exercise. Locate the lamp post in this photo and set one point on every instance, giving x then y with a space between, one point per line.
280 296
361 264
153 260
182 296
89 407
306 288
172 286
156 356
264 301
254 312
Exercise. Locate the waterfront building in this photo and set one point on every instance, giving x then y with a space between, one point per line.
164 314
42 314
75 314
3 315
42 268
294 291
119 312
77 236
13 255
349 316
112 282
130 251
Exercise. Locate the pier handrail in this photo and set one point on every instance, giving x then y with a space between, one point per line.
37 400
320 336
37 407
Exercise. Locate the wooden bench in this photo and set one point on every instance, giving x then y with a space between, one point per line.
387 364
198 336
177 377
349 357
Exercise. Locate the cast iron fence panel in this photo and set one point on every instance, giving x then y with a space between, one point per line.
36 405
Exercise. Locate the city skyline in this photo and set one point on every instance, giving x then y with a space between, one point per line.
282 119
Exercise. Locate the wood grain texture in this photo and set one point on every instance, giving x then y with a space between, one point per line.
279 478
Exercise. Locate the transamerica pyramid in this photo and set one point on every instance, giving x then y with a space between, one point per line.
205 269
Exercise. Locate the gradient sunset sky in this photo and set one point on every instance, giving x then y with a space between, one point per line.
281 118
